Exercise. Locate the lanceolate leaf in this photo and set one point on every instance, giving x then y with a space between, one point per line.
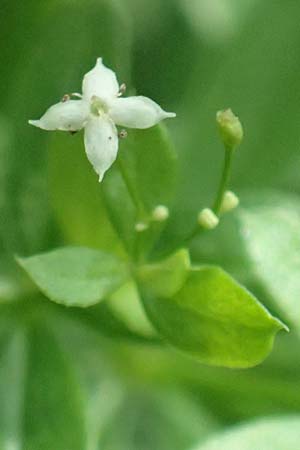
214 319
76 276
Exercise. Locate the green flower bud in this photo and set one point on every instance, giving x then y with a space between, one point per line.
141 226
207 219
230 201
160 213
230 129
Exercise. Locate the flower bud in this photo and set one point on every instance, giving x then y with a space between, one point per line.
141 226
230 129
160 213
207 219
230 201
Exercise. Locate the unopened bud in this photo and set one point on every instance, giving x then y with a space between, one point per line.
230 201
207 219
230 129
140 227
160 213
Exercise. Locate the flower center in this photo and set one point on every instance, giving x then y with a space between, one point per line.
98 106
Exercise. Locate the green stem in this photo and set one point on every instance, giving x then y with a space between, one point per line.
224 181
220 194
141 213
131 188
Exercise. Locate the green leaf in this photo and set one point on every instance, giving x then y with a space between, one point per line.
269 433
148 160
269 227
41 404
214 319
166 277
75 276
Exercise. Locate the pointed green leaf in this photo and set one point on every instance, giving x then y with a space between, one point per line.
214 319
75 276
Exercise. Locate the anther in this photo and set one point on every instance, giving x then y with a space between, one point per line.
65 98
122 90
76 94
122 134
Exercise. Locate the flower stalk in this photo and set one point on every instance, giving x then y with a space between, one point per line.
225 177
231 134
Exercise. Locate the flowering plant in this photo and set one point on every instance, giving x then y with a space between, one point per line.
200 310
128 307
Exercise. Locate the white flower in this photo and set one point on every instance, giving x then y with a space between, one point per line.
98 111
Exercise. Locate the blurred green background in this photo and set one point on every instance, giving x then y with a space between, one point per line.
64 383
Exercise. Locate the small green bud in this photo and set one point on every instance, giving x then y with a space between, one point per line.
160 213
230 129
141 226
230 201
207 219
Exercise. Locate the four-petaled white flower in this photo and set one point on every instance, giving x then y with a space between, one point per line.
98 111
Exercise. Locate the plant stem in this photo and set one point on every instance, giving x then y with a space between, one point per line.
224 181
220 194
130 187
140 210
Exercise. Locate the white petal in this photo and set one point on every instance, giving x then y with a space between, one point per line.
137 112
101 82
101 143
66 116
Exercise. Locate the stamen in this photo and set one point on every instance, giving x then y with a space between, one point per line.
122 134
122 90
76 94
65 98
